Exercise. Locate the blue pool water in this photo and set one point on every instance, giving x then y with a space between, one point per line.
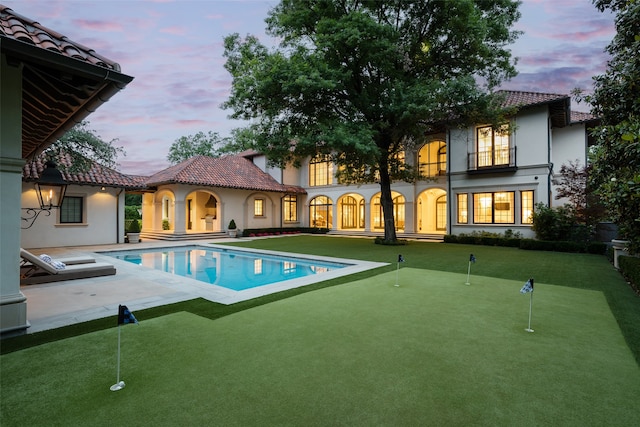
236 270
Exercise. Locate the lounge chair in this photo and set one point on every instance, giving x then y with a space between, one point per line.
34 270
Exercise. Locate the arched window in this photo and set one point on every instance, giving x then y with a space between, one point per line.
432 159
321 212
349 212
398 213
441 213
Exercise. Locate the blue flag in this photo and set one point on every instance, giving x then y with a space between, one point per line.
125 316
472 258
400 258
528 287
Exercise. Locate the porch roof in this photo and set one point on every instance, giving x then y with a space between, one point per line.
232 171
62 81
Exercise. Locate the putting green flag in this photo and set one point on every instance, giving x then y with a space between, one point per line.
528 287
125 316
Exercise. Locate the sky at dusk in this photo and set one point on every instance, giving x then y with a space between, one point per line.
174 51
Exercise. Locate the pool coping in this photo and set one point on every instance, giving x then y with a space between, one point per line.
228 296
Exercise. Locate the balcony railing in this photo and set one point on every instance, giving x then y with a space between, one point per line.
492 160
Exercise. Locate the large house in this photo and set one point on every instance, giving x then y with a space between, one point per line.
477 178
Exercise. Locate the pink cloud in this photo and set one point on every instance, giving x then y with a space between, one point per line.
92 25
176 31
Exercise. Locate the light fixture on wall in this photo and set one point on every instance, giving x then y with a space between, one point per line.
50 188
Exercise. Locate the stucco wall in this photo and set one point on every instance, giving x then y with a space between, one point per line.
102 222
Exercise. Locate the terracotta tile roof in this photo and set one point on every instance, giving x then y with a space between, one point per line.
227 172
580 117
96 175
527 99
62 81
18 27
559 105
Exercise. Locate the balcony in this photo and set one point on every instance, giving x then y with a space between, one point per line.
492 161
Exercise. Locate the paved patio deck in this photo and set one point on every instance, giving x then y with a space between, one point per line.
57 304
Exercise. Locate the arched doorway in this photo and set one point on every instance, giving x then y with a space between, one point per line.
321 212
202 212
432 211
377 217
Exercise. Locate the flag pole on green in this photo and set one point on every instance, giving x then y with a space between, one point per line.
124 317
472 259
400 259
528 289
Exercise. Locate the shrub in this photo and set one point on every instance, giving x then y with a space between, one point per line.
398 242
166 225
232 225
553 223
132 212
134 227
630 268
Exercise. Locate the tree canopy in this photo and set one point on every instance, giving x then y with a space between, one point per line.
200 144
615 159
357 82
83 146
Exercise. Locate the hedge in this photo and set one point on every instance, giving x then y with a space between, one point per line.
597 248
277 231
630 268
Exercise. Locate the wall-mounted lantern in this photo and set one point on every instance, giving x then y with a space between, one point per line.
50 188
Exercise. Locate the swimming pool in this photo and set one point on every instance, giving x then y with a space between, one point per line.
232 269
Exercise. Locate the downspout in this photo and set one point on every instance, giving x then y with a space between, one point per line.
450 196
118 216
549 163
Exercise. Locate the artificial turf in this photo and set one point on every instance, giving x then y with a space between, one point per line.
431 351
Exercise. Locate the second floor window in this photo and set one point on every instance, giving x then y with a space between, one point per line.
493 146
320 172
432 159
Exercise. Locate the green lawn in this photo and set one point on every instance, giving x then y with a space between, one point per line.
357 350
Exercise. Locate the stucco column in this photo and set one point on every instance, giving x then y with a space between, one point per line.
13 305
409 218
180 217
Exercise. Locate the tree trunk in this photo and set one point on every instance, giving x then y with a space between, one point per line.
386 201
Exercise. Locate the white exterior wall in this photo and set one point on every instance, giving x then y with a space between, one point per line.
531 139
103 221
569 145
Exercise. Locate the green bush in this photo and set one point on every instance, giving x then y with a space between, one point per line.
553 223
134 227
132 212
166 225
399 242
253 232
630 268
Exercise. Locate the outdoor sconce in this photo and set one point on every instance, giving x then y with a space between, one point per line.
50 188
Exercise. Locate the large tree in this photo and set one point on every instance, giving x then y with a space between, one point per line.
200 144
357 82
82 146
615 159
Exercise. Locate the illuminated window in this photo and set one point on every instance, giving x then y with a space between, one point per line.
350 212
398 213
290 208
321 212
320 172
463 208
526 207
258 207
432 159
493 208
441 213
493 146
